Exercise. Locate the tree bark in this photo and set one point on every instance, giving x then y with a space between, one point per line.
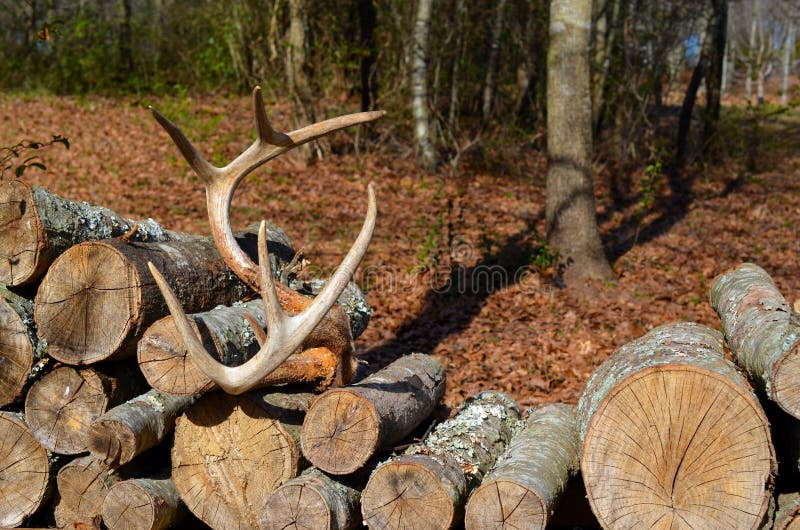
312 500
426 151
786 62
83 485
428 486
143 504
346 426
60 407
570 208
762 331
787 514
718 36
491 63
751 51
672 434
367 20
25 471
687 108
131 428
525 484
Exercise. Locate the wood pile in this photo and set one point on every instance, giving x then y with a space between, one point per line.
121 411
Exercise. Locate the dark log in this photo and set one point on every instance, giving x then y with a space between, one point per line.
143 504
673 435
762 331
82 486
346 426
428 486
131 428
523 487
312 500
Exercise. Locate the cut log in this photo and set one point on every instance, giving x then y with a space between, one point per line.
60 407
787 514
25 471
428 486
346 426
762 331
229 454
22 355
673 436
312 500
82 487
143 504
528 479
127 430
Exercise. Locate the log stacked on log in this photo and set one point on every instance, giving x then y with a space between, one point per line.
143 504
22 355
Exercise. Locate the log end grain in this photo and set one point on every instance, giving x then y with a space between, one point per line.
83 485
112 441
17 353
678 445
88 303
142 504
22 238
295 506
786 380
506 505
341 431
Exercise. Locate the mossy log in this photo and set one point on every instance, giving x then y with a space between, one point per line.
312 500
26 471
22 356
82 487
61 406
674 437
521 490
231 452
143 504
762 331
131 428
346 426
428 486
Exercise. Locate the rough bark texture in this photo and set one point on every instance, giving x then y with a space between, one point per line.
346 426
428 486
312 500
787 514
672 434
38 226
22 356
762 331
109 282
143 504
82 486
526 482
127 430
60 407
419 85
25 471
229 454
570 208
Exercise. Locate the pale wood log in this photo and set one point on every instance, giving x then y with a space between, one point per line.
131 428
312 500
26 471
143 504
427 487
673 436
231 452
61 406
521 490
762 331
83 485
346 426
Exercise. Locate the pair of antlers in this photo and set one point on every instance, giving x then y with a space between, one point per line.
285 332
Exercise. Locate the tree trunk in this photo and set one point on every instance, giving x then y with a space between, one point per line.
426 151
786 62
687 109
762 332
23 358
491 63
143 504
672 435
83 485
312 500
367 19
229 454
526 482
718 36
60 407
346 426
428 486
751 51
570 209
127 430
25 471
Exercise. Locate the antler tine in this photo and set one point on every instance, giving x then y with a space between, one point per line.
265 131
200 165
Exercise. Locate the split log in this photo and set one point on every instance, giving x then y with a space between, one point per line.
82 486
25 471
529 478
762 331
346 426
312 500
60 407
127 430
673 435
22 355
787 513
428 486
231 452
143 504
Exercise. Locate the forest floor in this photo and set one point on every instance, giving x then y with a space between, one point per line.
457 265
